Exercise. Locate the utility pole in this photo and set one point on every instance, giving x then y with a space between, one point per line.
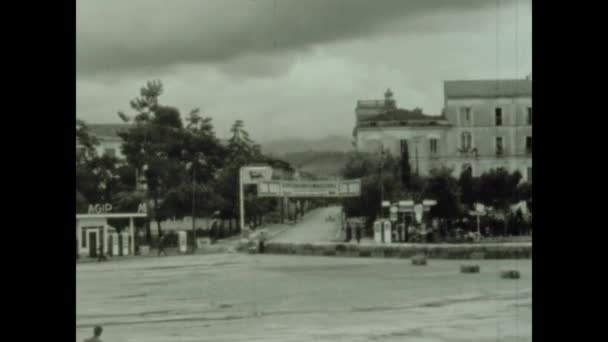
416 140
381 181
193 200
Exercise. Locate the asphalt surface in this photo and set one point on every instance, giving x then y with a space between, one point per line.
314 227
239 297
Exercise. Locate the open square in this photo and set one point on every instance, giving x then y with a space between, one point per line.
237 297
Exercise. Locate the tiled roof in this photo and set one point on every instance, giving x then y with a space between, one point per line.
371 103
488 88
402 115
107 131
400 118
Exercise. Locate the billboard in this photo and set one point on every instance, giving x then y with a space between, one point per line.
255 174
350 188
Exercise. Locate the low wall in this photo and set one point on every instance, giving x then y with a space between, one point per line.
435 251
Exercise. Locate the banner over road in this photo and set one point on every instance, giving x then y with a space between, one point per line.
341 188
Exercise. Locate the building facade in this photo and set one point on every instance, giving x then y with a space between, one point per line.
491 125
383 126
486 124
109 141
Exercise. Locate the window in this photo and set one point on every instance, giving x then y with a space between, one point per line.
433 143
530 174
529 145
465 140
529 116
110 152
498 116
499 146
465 116
84 239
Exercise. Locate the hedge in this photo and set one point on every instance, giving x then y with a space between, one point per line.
463 252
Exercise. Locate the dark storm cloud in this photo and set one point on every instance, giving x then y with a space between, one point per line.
117 35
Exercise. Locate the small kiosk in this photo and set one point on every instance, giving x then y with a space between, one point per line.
94 235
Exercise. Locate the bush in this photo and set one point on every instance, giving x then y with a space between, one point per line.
509 274
365 254
477 255
419 260
469 269
340 248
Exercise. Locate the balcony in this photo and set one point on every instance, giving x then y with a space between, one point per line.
468 152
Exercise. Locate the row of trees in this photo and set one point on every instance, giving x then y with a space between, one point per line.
182 164
385 177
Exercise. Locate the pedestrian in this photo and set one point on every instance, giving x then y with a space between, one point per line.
161 245
262 241
96 333
100 255
348 232
358 233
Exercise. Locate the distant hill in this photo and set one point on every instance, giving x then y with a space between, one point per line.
319 163
281 147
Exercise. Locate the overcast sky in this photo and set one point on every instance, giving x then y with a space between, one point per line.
292 67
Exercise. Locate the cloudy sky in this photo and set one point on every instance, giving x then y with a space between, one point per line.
292 67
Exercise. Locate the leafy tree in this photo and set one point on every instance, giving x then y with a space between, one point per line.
85 143
498 188
156 145
367 167
81 202
467 187
524 193
241 151
443 187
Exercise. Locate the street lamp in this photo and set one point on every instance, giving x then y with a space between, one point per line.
381 180
196 158
416 141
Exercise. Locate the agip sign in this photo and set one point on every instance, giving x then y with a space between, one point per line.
100 208
106 208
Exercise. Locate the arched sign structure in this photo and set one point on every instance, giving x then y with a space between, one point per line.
261 176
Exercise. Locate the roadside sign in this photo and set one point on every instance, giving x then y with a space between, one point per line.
255 174
418 210
348 188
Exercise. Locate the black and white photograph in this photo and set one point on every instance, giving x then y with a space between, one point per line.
304 170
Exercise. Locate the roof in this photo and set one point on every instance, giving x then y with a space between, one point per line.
107 131
488 88
403 115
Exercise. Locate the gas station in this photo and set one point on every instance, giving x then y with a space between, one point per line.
94 235
402 215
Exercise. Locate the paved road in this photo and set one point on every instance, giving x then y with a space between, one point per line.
313 227
255 298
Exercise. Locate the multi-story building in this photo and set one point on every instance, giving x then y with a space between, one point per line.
491 125
381 125
109 141
486 124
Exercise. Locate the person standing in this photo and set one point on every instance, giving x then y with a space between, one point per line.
348 232
161 245
358 233
96 333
